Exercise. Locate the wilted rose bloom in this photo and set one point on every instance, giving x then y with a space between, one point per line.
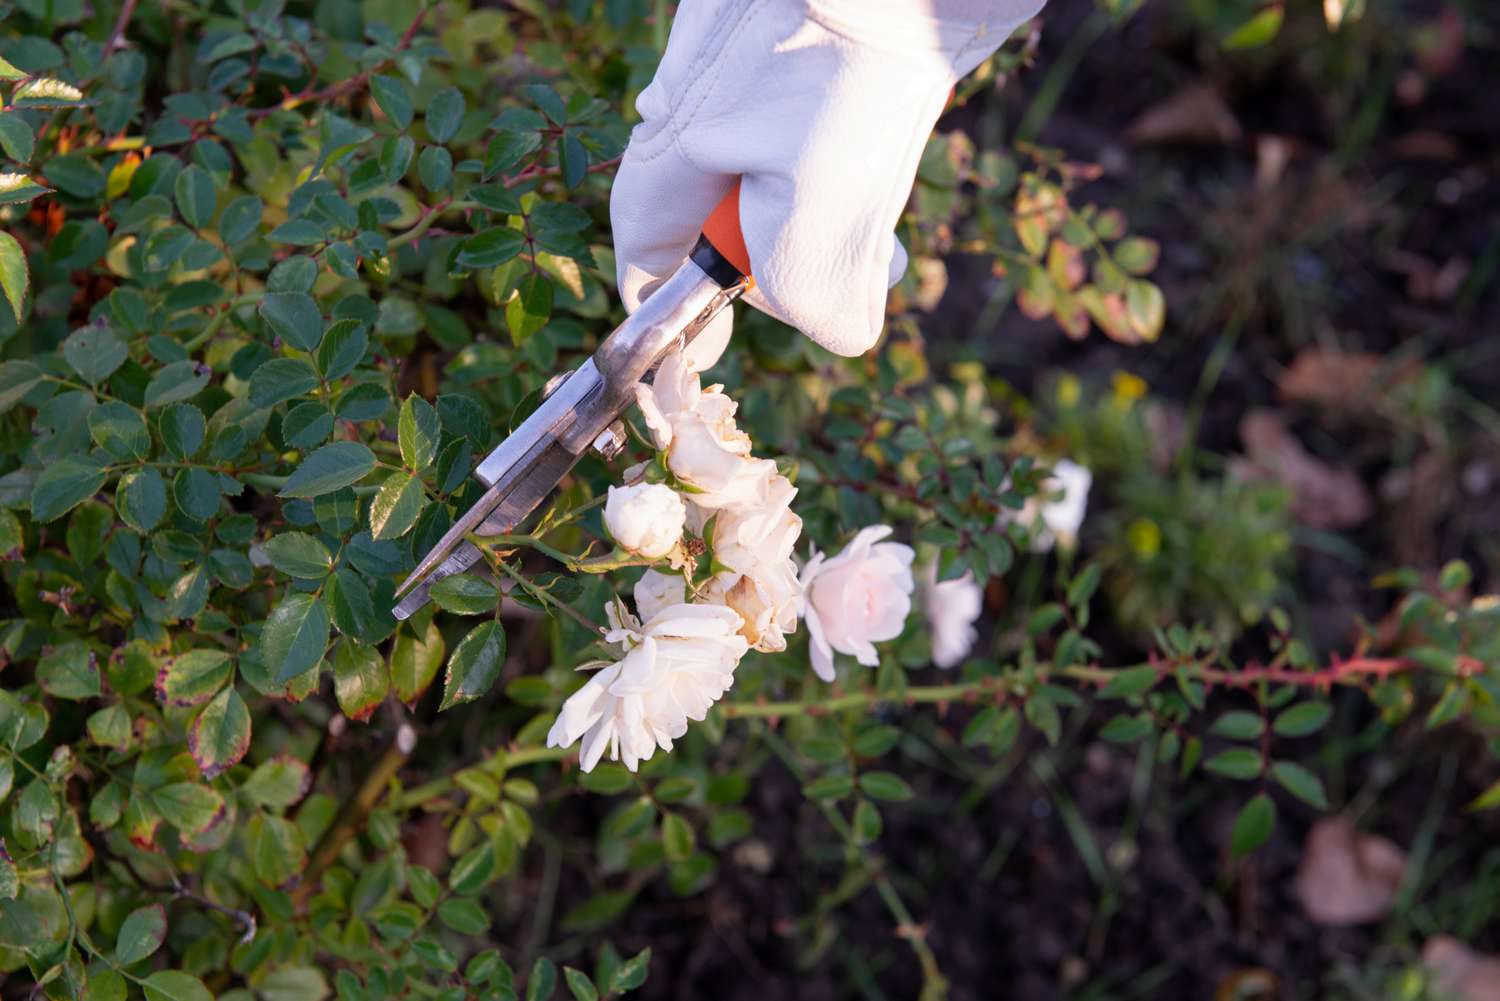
1056 513
696 428
857 599
672 669
645 518
951 608
754 542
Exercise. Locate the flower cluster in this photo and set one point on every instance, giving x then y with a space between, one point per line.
721 521
679 652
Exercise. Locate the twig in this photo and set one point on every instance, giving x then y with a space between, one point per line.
355 811
117 37
349 86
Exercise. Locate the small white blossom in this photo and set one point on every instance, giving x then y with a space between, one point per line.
672 669
46 88
856 599
951 608
1056 513
645 518
754 543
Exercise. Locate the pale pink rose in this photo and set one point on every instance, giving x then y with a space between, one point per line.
695 427
856 599
951 608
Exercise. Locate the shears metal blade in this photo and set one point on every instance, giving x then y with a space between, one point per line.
583 409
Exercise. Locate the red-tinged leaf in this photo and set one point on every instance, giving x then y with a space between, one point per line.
220 734
360 679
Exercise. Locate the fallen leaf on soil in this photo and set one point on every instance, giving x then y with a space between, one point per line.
1195 114
1458 970
1256 984
1347 877
1330 377
1426 281
1324 495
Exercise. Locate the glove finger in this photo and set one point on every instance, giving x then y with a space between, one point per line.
899 260
656 210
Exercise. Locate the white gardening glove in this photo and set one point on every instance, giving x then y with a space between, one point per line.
823 107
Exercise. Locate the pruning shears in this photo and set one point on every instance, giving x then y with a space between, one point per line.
581 409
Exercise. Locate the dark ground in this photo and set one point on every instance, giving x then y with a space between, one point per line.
1178 921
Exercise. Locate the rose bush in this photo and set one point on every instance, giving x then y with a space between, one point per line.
277 275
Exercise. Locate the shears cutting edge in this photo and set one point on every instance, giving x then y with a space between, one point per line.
582 408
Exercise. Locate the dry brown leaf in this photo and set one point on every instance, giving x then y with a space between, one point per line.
1331 378
1458 970
1324 495
1348 877
1195 114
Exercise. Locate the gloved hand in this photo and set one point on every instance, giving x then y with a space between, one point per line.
823 107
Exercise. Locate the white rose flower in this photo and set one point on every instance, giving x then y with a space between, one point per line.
857 599
674 667
645 518
951 608
1056 514
754 544
696 428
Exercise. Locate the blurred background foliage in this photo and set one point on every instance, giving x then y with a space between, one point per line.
278 273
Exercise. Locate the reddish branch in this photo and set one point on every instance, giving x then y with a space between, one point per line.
349 86
117 37
1353 670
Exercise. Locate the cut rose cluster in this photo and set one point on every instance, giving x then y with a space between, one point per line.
678 653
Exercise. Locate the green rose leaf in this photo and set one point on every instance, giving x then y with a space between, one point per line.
15 277
120 430
94 352
294 637
70 671
196 196
1252 828
65 484
337 464
181 380
415 662
278 782
141 499
182 429
360 679
475 664
396 506
394 98
192 678
281 379
191 807
298 554
445 112
17 378
418 431
294 317
174 985
141 935
490 248
465 594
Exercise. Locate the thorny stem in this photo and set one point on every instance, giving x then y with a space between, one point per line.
1354 671
934 984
